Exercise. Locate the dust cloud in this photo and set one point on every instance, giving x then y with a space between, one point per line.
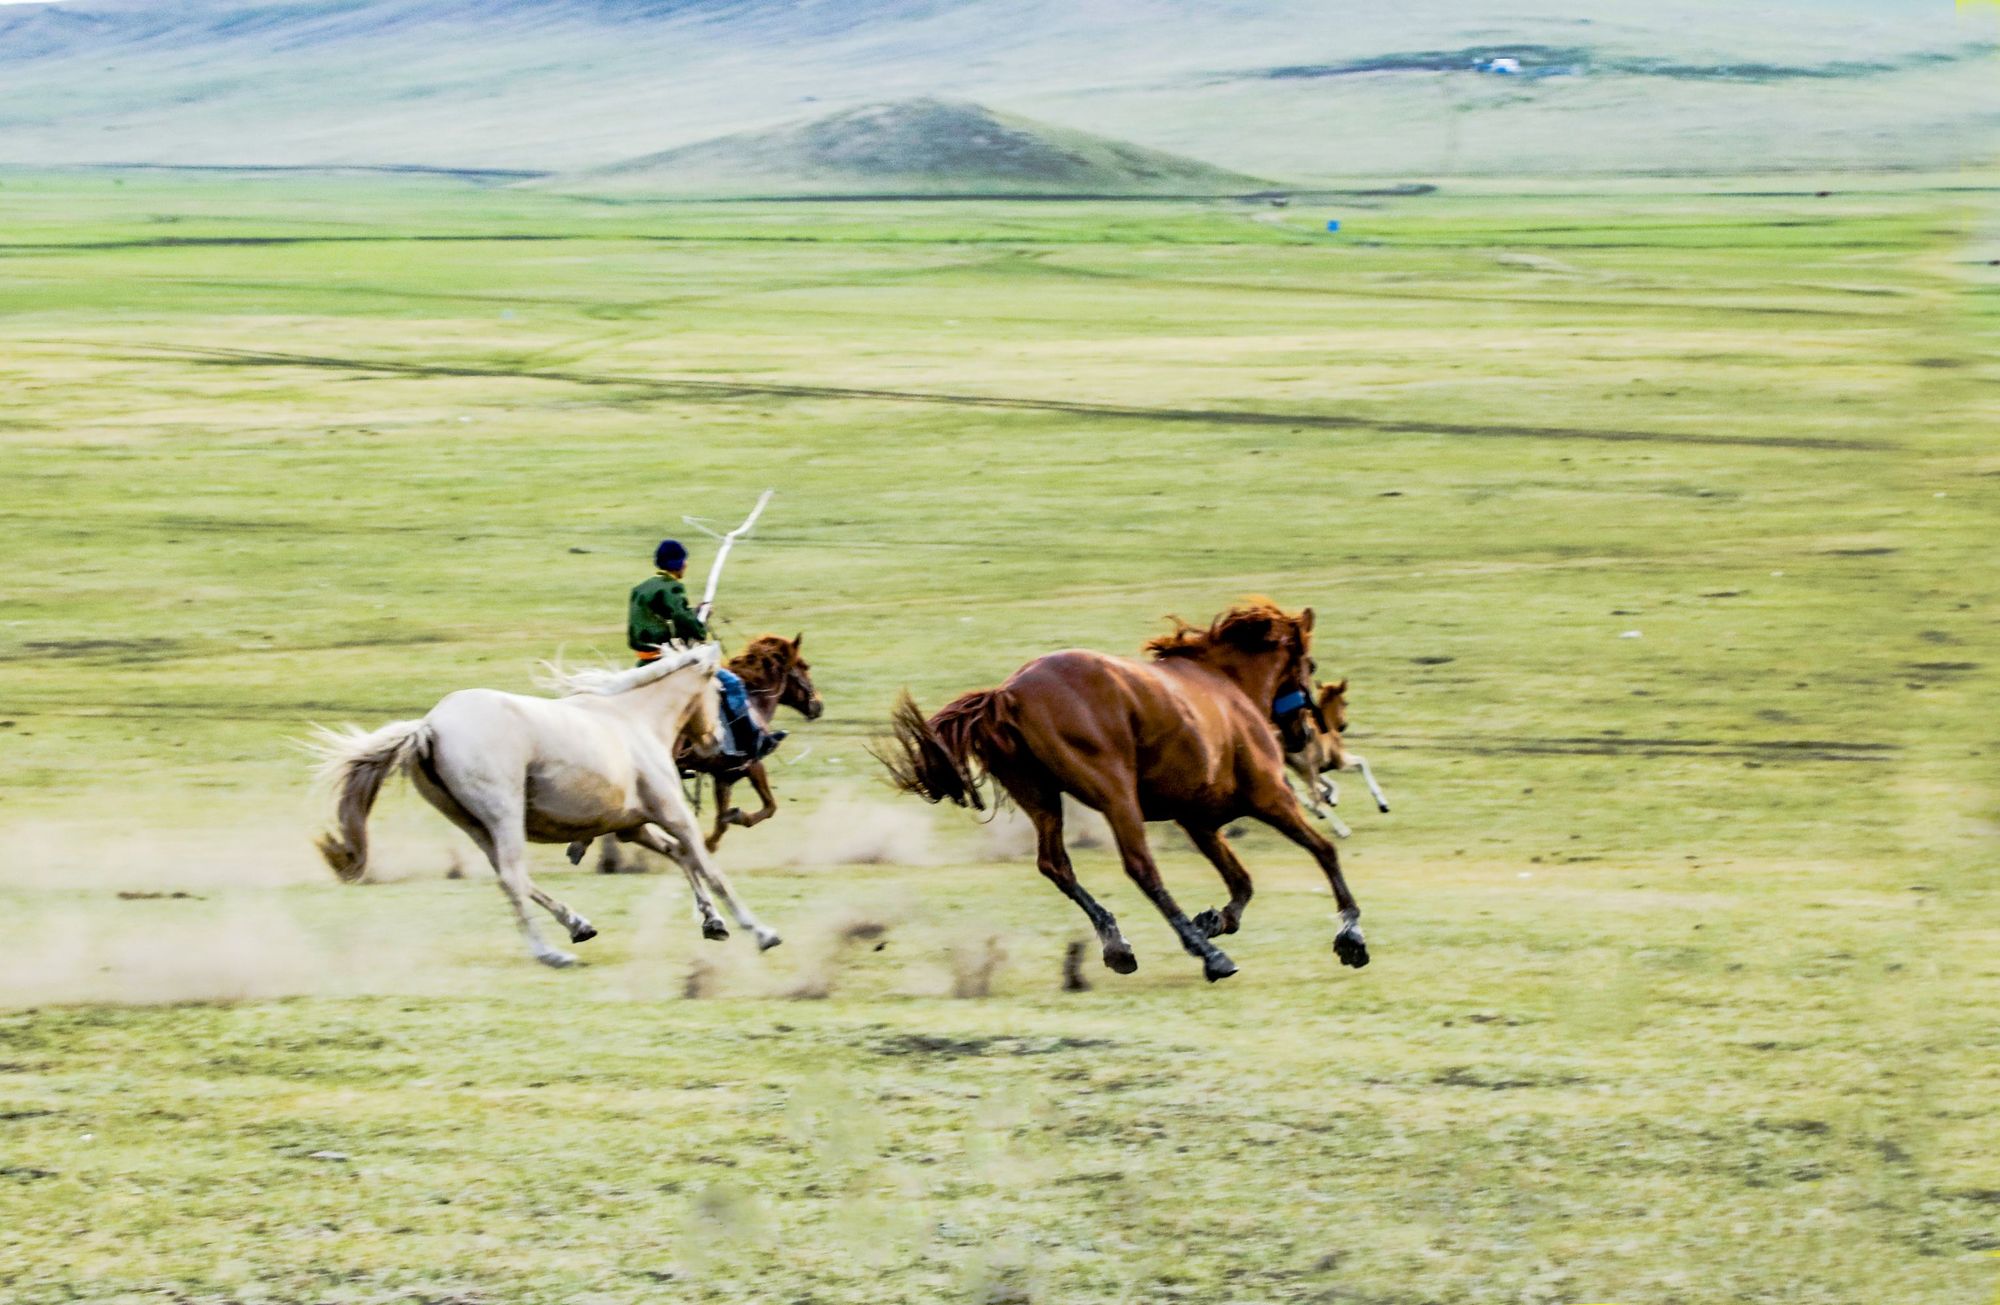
191 949
847 829
126 914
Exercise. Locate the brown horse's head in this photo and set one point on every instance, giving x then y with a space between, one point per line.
1265 648
774 662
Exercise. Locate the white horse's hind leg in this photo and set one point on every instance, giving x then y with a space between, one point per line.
509 863
508 852
491 817
649 836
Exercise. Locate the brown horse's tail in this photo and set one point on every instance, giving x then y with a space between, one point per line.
356 764
948 755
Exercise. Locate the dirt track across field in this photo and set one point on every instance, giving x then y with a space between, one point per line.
688 387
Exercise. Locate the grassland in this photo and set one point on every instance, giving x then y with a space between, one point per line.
1684 985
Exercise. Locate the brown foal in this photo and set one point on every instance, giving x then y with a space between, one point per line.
1185 735
1314 747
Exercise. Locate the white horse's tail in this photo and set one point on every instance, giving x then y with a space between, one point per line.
355 763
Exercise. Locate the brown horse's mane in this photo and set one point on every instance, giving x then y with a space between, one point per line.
764 661
1244 625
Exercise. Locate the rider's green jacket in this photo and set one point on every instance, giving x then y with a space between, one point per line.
660 611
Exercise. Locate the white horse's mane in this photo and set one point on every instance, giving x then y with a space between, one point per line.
606 681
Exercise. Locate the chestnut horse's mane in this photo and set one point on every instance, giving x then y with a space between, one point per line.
764 660
1253 617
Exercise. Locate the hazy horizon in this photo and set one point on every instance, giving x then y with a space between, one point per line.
1291 90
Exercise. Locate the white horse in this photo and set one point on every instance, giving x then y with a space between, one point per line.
510 769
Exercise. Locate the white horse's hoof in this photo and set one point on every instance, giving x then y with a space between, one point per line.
556 960
767 939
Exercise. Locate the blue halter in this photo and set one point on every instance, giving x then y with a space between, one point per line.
1288 703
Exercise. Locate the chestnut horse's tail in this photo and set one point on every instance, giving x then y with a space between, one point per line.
948 755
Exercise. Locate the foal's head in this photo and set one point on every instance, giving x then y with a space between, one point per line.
1330 709
1316 747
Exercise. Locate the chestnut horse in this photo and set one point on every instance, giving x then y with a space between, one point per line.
1183 736
775 674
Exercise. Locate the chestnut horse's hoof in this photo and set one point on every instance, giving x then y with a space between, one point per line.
1217 968
583 932
1124 962
1350 947
1209 923
714 930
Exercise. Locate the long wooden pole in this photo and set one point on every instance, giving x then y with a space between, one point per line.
722 554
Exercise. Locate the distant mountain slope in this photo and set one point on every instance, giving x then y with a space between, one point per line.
1292 89
921 146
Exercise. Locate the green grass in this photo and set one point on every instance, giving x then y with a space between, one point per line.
1684 986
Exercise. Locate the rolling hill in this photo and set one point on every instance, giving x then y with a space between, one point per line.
922 147
1290 89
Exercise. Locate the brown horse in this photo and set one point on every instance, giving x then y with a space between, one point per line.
775 674
1317 748
1183 736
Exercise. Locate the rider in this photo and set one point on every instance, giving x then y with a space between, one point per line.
659 612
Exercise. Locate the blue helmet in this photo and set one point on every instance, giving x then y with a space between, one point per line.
670 555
